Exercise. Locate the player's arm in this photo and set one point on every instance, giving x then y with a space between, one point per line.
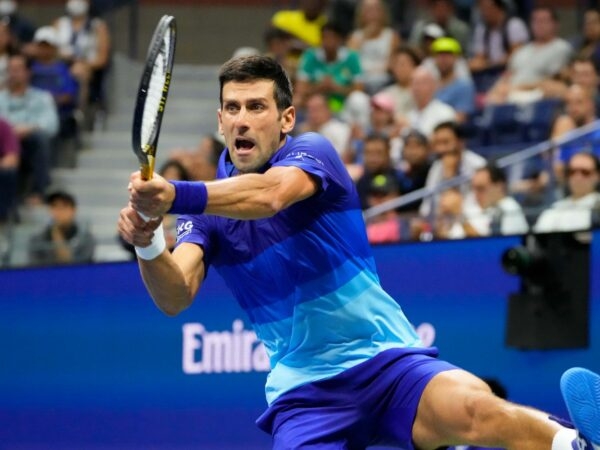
171 279
248 196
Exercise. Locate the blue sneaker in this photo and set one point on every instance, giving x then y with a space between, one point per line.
581 392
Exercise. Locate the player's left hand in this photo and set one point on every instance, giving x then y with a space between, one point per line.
153 198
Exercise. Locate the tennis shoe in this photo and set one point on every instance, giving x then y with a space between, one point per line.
581 392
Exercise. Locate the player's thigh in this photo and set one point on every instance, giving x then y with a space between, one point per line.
452 404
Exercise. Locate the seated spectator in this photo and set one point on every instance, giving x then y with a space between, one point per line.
448 45
451 160
331 69
21 28
580 71
428 111
449 220
431 32
6 50
9 168
50 73
387 227
376 161
375 41
201 162
500 213
64 240
403 63
587 43
279 46
454 89
320 119
578 210
33 115
415 165
442 13
496 36
303 24
84 42
531 65
579 111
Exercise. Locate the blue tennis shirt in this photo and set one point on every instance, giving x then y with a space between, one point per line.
306 276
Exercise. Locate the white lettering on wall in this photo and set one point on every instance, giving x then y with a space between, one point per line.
238 350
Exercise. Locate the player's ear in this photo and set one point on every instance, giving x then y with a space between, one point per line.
288 119
219 120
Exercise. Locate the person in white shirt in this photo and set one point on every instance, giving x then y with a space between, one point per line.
500 213
575 212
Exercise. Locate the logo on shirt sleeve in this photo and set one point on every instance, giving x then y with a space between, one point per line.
183 229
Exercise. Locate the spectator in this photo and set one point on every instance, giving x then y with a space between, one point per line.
496 36
64 240
201 162
9 168
452 160
500 213
52 74
21 28
531 65
449 45
428 111
449 221
454 89
33 115
279 46
376 161
5 51
579 210
414 167
320 119
331 69
375 41
580 110
587 44
403 63
386 227
84 42
303 24
431 32
442 13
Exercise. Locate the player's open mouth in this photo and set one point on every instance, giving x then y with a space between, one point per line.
244 144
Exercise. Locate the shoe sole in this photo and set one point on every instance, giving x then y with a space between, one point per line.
581 392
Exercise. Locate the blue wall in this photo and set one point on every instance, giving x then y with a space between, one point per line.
87 360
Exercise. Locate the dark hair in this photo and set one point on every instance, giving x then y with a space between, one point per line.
413 133
592 156
497 175
63 196
410 52
551 11
172 163
257 67
371 137
500 4
334 27
27 59
452 126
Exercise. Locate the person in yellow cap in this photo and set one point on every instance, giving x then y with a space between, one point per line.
303 24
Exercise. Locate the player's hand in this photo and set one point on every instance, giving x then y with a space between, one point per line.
152 198
134 229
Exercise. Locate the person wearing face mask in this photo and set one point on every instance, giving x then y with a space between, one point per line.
21 28
84 42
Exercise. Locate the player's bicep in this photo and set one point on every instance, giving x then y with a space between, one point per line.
293 184
189 258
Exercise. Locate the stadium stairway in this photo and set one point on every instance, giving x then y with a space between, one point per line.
99 182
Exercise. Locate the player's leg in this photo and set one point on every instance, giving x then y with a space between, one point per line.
581 391
458 408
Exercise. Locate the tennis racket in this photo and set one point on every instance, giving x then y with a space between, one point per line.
152 94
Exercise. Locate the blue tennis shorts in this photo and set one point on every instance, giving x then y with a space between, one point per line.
373 403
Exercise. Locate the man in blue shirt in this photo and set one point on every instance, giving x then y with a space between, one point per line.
283 226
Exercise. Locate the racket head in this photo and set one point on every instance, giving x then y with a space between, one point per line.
152 94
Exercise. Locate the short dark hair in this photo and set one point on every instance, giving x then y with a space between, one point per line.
257 67
378 137
592 156
452 126
497 175
411 52
63 196
549 9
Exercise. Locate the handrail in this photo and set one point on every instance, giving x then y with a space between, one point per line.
502 162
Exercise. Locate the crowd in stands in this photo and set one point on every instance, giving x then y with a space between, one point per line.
408 105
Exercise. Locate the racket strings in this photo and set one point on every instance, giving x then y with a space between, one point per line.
155 94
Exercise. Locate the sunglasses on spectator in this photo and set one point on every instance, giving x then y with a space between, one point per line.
580 170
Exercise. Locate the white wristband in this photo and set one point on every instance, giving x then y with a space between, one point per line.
156 247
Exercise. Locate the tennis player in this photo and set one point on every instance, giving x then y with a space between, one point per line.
283 226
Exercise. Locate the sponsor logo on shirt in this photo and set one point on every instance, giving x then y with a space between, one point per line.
184 229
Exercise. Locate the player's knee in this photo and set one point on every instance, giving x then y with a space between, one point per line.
487 413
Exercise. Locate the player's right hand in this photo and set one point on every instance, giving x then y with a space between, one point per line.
153 198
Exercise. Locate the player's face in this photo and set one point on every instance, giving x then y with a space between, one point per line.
253 128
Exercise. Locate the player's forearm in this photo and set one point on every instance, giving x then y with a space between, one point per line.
166 284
